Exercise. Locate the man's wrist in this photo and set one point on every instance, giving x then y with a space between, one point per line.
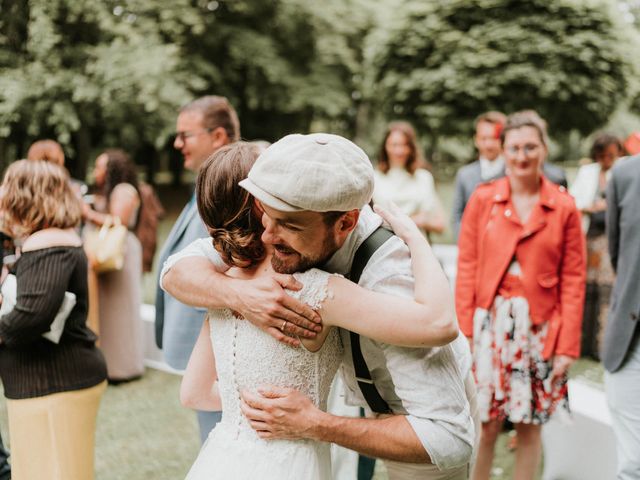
232 296
324 427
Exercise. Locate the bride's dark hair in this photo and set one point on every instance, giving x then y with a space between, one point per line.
226 208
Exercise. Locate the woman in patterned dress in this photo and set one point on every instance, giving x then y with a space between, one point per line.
519 294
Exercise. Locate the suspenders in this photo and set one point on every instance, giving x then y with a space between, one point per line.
369 391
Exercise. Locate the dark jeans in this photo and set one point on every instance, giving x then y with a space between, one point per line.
366 467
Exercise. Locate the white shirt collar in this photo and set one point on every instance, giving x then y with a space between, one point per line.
340 262
491 168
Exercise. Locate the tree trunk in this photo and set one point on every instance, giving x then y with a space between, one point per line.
176 164
432 156
83 150
362 123
3 154
147 156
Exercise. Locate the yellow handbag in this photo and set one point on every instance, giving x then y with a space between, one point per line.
106 247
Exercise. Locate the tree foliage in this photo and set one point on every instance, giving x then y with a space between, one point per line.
284 64
446 62
115 72
77 72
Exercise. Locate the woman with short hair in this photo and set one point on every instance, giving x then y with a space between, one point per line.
519 294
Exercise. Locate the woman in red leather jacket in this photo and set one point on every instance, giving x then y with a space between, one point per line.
519 294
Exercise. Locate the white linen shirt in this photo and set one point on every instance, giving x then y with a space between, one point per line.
490 169
425 384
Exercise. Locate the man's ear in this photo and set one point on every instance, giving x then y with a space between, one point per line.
347 222
219 137
257 209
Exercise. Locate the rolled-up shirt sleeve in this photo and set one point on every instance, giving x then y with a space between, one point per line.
433 394
202 247
429 382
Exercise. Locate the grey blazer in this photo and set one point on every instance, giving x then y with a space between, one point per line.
469 177
623 231
177 325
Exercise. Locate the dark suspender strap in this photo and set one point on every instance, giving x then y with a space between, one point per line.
369 391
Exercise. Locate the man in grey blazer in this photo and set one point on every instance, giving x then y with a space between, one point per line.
621 348
490 164
203 126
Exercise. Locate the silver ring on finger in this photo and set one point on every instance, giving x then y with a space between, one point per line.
284 324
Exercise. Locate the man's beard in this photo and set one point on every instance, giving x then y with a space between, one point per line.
304 263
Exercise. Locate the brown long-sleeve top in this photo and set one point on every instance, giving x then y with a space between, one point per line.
30 365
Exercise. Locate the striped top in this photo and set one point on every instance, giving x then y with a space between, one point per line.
30 365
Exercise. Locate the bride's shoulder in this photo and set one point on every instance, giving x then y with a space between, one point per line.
314 275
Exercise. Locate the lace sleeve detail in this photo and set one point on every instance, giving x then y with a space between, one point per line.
315 287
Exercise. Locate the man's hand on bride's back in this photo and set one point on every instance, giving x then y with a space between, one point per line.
264 302
281 413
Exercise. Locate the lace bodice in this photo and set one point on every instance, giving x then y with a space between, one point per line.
246 357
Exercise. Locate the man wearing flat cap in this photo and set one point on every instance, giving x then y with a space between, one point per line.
307 185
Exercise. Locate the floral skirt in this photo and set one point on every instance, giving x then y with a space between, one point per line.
513 379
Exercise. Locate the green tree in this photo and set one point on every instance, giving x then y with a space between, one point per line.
87 75
443 63
114 73
284 64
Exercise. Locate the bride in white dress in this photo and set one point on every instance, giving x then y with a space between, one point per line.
246 357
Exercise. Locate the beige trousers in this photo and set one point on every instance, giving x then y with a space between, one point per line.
53 437
424 471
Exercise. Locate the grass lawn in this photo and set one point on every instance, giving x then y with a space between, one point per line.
143 431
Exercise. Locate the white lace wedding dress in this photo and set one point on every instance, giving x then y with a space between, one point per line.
246 357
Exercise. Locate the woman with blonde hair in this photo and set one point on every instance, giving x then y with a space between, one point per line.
53 389
402 179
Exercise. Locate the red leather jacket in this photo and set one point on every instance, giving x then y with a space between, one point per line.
550 249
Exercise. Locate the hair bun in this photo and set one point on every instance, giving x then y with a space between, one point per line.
238 247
